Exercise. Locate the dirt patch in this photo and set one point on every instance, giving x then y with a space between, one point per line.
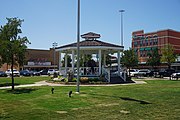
124 111
61 112
106 105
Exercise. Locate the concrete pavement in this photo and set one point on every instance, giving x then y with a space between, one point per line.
44 83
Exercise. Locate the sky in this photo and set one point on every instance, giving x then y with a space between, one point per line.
48 21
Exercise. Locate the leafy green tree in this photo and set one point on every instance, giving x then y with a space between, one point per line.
108 59
86 58
68 61
129 59
168 55
13 46
154 58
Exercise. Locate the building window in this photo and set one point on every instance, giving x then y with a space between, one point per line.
142 37
141 43
134 37
135 44
150 42
146 42
155 42
141 53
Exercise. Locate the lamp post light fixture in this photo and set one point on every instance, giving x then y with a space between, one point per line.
54 46
78 38
121 11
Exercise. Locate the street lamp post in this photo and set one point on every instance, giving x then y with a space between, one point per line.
54 46
78 38
121 11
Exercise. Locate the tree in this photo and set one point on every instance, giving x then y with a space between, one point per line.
154 58
129 59
168 55
68 61
84 61
13 46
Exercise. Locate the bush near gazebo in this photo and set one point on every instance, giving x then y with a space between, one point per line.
83 80
90 80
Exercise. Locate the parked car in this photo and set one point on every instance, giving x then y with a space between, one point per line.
44 72
35 73
115 73
25 73
133 72
144 72
3 74
165 73
176 75
15 72
52 71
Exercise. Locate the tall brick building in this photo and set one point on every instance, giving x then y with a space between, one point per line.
143 43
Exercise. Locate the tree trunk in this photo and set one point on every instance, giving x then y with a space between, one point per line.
169 67
12 75
129 72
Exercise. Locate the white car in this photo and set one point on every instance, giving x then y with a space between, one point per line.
144 72
52 71
133 72
176 75
15 72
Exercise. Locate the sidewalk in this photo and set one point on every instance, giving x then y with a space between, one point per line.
44 83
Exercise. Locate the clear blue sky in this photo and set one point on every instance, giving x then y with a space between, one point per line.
48 21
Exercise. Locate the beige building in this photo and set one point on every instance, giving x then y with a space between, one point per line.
37 59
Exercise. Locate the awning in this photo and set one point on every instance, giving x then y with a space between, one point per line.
141 49
148 48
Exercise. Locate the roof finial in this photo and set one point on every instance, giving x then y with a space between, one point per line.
91 36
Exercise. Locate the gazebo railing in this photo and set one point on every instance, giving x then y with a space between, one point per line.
84 71
88 71
122 74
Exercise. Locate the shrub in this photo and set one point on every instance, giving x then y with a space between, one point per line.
74 79
93 80
84 79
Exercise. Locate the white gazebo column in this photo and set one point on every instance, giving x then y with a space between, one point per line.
119 60
73 61
100 62
60 62
65 63
83 66
83 57
104 62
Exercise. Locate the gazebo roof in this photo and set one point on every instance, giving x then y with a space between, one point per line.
90 43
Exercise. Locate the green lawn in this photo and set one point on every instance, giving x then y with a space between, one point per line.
6 81
157 100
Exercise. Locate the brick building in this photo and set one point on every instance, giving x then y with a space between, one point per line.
37 59
41 59
143 43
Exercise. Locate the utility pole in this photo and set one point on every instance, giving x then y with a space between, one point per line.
78 39
121 11
54 58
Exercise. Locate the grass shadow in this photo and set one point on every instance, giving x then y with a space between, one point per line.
131 99
21 90
122 98
7 84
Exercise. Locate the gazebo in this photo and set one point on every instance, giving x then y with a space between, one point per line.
91 46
